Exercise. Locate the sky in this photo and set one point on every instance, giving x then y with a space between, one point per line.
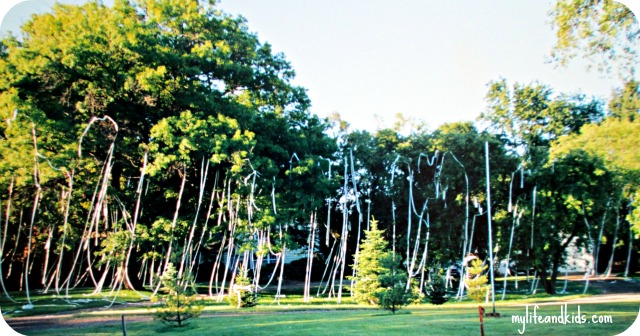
429 60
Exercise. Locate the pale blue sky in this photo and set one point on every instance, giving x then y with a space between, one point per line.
430 60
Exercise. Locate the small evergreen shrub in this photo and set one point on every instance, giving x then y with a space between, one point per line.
436 290
366 286
180 304
248 296
477 282
393 282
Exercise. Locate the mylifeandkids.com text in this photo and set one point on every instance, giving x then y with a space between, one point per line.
532 316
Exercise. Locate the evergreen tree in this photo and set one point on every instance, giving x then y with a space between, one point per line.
393 280
366 282
180 304
477 282
248 297
436 291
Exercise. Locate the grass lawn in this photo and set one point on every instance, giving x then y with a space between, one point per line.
450 319
324 316
78 299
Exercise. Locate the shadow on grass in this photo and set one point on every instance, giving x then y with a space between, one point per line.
172 330
399 312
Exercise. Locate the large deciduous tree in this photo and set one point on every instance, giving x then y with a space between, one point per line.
604 31
531 118
89 91
607 33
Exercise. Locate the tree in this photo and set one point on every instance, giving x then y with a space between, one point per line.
604 31
244 295
476 281
367 285
462 175
574 191
179 305
625 103
531 120
436 290
529 117
614 142
99 88
393 282
423 184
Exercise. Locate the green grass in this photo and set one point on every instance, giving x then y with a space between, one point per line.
77 299
83 299
322 316
422 320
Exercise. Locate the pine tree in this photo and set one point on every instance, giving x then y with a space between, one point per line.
366 283
477 283
393 280
436 290
244 291
180 304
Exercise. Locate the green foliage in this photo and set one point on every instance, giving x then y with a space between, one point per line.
477 282
178 80
625 103
535 124
613 141
393 281
194 89
367 285
436 290
181 139
529 117
603 31
114 247
245 291
180 304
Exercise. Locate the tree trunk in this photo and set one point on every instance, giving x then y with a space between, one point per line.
4 236
613 244
549 285
310 254
630 248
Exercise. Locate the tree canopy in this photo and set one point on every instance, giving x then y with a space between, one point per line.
158 133
604 31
